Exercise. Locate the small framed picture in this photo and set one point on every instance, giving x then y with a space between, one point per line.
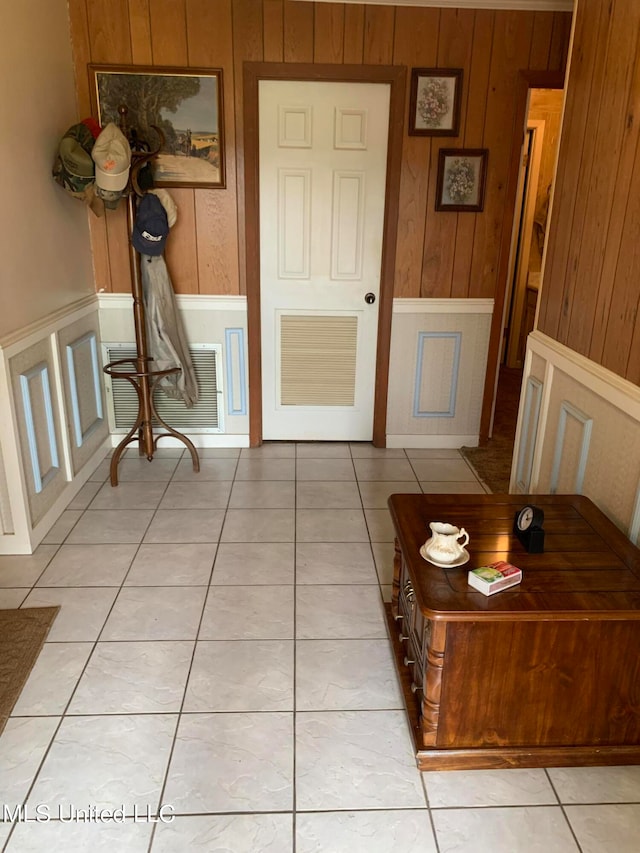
461 179
435 101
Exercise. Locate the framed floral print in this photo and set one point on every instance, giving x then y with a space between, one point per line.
435 101
461 179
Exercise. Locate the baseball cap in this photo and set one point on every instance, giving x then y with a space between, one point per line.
151 227
73 168
112 157
169 205
110 198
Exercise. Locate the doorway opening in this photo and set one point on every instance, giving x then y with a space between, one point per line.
531 221
541 120
529 235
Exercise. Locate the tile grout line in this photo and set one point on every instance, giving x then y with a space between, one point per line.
294 718
181 712
563 810
64 714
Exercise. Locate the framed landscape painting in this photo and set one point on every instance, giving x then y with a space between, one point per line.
186 104
461 179
435 101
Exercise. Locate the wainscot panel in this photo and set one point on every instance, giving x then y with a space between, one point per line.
79 352
213 324
52 430
587 432
436 373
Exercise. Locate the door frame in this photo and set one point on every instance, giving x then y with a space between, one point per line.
526 80
395 76
523 227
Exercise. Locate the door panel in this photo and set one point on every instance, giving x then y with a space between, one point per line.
323 154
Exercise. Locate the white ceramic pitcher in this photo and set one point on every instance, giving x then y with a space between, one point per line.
445 545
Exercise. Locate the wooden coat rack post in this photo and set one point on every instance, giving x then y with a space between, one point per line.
143 378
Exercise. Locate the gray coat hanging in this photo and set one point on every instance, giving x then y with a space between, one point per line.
166 340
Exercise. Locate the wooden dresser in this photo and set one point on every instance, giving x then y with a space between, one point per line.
546 673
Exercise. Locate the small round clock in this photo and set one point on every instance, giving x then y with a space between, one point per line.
530 516
527 525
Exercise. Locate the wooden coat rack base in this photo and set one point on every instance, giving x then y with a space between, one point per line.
144 382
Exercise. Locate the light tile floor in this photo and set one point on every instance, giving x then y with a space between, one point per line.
221 653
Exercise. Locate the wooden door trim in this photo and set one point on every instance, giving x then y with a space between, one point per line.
520 263
526 80
395 76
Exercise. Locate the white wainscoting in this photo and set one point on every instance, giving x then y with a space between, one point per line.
529 432
218 320
53 432
578 432
436 371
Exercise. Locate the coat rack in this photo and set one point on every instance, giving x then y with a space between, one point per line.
143 378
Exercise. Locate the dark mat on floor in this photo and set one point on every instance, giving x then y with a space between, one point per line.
22 635
492 462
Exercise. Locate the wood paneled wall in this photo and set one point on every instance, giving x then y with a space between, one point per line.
438 254
590 294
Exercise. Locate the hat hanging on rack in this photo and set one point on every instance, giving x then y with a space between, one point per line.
169 205
73 168
74 164
150 230
112 157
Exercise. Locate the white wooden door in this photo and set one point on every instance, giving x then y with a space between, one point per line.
323 158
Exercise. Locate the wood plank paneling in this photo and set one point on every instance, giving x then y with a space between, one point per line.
600 181
169 32
631 262
209 32
109 36
477 80
298 31
118 245
181 248
621 351
379 34
328 43
590 297
437 254
584 71
512 40
247 22
79 27
100 254
476 87
541 41
273 20
614 340
140 23
416 44
560 38
455 43
80 39
210 39
353 34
